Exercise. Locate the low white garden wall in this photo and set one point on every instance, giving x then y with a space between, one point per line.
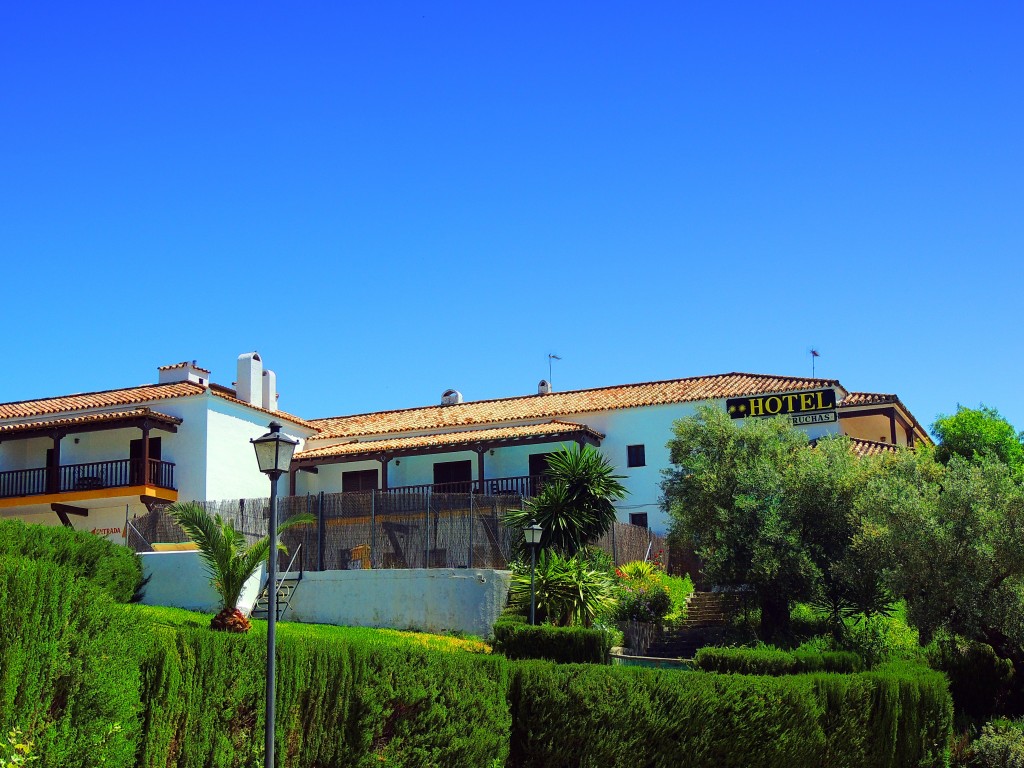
179 580
424 599
429 600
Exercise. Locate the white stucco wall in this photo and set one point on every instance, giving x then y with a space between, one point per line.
232 472
428 600
650 426
179 580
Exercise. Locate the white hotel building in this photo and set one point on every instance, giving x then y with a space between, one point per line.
91 461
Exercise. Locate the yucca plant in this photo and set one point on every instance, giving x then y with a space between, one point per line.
568 590
638 570
576 503
227 556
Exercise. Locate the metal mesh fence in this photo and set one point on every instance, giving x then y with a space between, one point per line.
376 529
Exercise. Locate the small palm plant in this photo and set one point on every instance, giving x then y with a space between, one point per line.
227 556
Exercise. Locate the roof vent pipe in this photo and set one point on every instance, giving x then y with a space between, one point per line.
249 384
544 388
270 390
451 397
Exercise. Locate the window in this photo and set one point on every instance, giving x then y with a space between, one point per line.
359 480
635 456
453 476
638 518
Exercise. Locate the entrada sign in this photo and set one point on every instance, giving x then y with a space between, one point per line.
779 405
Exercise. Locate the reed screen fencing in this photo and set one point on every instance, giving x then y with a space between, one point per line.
378 529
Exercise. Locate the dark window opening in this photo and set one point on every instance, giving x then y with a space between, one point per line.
538 471
636 456
638 518
135 454
359 480
453 476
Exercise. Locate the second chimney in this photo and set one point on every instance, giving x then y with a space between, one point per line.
249 384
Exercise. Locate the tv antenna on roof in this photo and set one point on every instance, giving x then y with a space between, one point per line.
814 356
551 356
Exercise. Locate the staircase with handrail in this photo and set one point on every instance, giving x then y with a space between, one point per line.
286 584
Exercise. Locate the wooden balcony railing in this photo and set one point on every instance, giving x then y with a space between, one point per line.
93 475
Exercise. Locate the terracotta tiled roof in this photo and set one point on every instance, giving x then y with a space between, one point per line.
89 418
111 398
118 398
554 429
183 364
229 394
867 398
871 447
563 403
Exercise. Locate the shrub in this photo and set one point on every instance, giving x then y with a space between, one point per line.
69 677
660 718
638 570
643 601
679 589
566 645
978 679
567 590
1001 745
770 661
339 703
109 566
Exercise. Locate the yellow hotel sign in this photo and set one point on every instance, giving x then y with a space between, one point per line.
780 405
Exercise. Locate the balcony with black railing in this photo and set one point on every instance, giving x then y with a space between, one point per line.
91 476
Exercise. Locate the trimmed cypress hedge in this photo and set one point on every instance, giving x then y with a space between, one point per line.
566 645
770 661
338 703
69 677
109 566
883 719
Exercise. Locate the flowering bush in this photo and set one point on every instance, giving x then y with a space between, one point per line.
642 601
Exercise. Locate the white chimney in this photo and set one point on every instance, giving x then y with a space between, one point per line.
249 384
451 397
185 371
544 388
270 390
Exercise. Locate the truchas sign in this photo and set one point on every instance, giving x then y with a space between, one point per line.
801 405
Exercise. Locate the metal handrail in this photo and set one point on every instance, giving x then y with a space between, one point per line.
288 570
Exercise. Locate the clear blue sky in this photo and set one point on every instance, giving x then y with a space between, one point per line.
434 195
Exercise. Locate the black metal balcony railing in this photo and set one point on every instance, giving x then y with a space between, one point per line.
93 475
524 485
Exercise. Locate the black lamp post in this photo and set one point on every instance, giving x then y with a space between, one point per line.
274 454
532 534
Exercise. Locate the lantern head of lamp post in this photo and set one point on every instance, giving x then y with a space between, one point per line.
532 534
274 451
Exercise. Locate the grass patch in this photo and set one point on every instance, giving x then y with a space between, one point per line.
179 618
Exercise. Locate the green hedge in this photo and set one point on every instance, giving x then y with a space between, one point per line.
109 566
338 703
658 718
770 661
73 663
567 645
69 677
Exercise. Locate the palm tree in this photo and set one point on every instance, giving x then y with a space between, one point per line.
227 556
576 503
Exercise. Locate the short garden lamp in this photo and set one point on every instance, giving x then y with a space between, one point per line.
532 534
274 454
